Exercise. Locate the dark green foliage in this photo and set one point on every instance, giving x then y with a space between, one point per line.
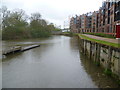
108 72
69 33
97 63
16 26
119 82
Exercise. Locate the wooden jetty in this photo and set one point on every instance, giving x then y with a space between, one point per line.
12 50
30 47
18 49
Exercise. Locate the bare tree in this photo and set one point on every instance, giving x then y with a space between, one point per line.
35 16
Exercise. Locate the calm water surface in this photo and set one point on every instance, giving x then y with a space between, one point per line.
57 63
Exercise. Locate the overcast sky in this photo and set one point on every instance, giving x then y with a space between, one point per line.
55 11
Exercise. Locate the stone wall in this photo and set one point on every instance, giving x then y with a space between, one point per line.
108 57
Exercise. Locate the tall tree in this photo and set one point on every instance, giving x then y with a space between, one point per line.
15 24
38 26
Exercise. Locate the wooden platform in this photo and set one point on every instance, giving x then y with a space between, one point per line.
12 50
30 47
16 49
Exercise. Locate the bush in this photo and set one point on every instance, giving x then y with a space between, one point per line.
16 26
108 72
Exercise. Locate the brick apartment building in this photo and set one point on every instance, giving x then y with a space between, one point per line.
102 21
94 21
83 23
73 24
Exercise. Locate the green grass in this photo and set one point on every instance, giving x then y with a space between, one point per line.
101 35
108 72
70 33
99 41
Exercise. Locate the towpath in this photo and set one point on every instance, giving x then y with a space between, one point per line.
104 39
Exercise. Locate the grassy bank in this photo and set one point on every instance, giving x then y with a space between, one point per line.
101 35
99 41
69 34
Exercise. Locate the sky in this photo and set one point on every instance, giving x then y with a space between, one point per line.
54 11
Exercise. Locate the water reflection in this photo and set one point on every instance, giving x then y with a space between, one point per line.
96 73
57 63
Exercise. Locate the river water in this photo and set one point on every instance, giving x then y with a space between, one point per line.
57 63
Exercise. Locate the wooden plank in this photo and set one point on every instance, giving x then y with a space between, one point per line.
18 49
12 50
30 47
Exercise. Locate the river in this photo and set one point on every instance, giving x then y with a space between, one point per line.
57 63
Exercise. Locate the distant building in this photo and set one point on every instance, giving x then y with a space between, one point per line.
117 14
83 23
74 24
102 21
94 21
88 22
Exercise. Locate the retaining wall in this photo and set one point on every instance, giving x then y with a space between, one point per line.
107 56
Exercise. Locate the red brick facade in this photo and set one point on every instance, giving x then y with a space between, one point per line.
102 21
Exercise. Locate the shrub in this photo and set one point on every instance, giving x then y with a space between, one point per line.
108 72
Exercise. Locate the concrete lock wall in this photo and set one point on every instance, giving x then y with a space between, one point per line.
108 57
